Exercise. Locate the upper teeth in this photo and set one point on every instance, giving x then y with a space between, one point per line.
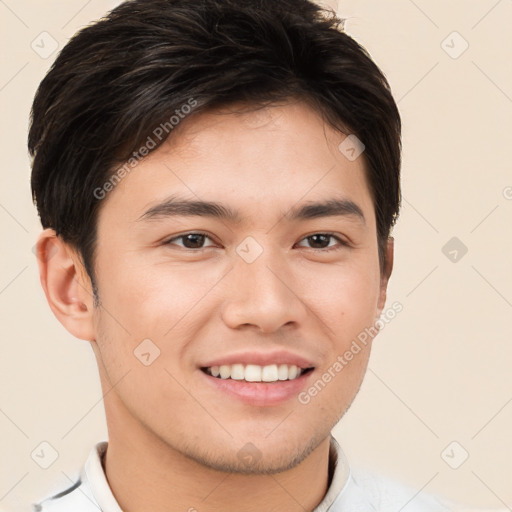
255 373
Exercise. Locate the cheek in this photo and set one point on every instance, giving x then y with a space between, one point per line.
345 299
152 299
161 303
345 296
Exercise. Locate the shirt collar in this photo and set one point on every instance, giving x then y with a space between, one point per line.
339 475
93 475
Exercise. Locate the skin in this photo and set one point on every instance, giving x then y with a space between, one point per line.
173 441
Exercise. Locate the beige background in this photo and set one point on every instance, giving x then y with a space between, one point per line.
440 371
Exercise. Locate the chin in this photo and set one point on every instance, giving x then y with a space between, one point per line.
259 455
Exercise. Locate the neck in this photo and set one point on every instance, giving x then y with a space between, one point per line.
145 474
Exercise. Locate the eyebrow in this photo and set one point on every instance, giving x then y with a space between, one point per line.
175 206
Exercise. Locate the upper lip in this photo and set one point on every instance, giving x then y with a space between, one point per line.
263 358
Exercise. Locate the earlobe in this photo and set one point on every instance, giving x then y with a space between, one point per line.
66 285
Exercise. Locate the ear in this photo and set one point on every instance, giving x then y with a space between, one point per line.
385 275
67 286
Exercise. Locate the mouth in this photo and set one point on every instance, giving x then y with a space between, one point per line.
273 373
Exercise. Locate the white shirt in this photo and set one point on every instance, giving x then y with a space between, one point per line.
349 490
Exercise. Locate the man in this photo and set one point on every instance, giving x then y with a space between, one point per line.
218 181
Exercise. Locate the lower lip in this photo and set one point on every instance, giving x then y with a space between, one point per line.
260 393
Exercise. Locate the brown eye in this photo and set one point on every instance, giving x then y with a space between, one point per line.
190 240
320 241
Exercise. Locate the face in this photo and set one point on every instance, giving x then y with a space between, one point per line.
251 295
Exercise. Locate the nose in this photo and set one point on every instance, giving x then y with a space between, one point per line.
262 294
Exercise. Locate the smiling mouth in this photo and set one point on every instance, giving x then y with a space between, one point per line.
256 373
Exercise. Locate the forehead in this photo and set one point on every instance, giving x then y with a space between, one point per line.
256 163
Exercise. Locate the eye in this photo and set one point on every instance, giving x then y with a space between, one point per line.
321 239
193 240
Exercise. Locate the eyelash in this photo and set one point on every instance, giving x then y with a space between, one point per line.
342 243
